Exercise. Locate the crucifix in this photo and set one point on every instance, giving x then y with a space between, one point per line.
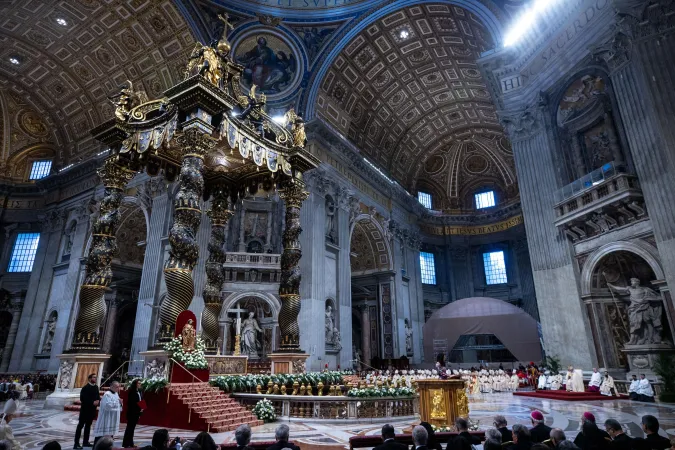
237 338
225 18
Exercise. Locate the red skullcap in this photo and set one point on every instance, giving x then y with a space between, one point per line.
589 416
537 415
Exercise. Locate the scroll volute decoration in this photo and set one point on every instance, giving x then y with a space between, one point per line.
219 142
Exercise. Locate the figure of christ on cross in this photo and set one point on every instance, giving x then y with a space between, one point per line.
237 339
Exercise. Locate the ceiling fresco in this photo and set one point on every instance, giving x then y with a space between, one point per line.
408 93
65 57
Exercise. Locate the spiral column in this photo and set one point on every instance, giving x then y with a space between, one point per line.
98 275
219 215
184 249
293 193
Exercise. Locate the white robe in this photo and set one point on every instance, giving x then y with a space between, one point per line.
607 386
645 388
6 434
514 382
542 382
556 381
578 381
568 381
596 379
108 422
634 386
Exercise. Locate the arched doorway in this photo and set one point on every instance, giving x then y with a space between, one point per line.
617 326
372 292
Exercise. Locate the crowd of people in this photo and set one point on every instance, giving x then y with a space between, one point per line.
538 436
21 387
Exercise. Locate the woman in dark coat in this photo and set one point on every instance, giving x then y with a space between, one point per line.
134 412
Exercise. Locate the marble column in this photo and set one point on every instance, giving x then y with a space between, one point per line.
17 304
312 241
564 321
344 280
37 294
365 334
643 76
149 290
199 272
111 321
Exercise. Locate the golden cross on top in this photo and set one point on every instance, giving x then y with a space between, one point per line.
225 19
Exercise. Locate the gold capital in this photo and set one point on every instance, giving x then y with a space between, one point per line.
114 176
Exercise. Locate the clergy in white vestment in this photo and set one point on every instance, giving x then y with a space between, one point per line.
607 385
514 381
542 380
556 381
108 422
645 391
577 381
568 379
6 433
633 388
596 381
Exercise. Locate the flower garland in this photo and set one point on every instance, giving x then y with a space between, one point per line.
382 392
195 359
248 383
150 384
264 410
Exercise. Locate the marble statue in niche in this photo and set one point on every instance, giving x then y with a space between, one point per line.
330 219
408 338
68 246
644 312
250 344
66 370
336 339
49 335
330 321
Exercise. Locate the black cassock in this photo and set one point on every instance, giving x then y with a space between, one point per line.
88 395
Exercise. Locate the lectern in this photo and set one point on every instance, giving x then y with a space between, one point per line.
442 401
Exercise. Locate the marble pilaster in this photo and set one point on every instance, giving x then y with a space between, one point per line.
35 305
17 303
344 286
149 289
564 321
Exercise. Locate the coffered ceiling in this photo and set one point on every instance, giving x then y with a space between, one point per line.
407 92
60 60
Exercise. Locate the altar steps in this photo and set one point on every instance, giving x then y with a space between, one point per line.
218 410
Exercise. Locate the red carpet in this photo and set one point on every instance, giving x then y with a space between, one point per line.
569 396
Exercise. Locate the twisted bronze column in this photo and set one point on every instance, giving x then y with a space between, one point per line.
101 252
219 215
293 194
182 237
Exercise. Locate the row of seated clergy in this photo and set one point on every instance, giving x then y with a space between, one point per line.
641 390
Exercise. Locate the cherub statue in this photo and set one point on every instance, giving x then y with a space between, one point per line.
126 100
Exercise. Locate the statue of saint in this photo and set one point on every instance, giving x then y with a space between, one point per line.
249 337
329 324
644 312
189 336
49 336
408 338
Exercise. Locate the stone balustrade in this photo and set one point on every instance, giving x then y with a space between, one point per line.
335 407
255 260
601 206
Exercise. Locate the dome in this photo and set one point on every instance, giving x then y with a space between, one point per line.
516 329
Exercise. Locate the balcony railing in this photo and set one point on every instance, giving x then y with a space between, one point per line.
258 260
599 202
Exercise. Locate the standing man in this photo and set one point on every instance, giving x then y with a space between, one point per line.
89 400
108 422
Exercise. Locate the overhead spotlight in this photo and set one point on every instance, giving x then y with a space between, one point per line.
61 21
403 34
14 60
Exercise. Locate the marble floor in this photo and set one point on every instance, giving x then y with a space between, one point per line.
36 425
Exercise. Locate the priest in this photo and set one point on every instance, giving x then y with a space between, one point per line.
608 385
633 388
596 381
577 381
645 391
108 422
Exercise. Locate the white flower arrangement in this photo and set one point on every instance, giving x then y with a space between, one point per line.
382 392
194 359
264 410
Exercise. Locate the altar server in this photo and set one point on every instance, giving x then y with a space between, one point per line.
6 433
108 422
633 388
645 391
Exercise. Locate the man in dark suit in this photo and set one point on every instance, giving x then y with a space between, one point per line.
653 441
522 440
388 442
463 432
90 397
620 441
420 436
281 435
500 424
582 441
539 432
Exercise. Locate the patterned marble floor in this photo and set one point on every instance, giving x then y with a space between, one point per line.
37 426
